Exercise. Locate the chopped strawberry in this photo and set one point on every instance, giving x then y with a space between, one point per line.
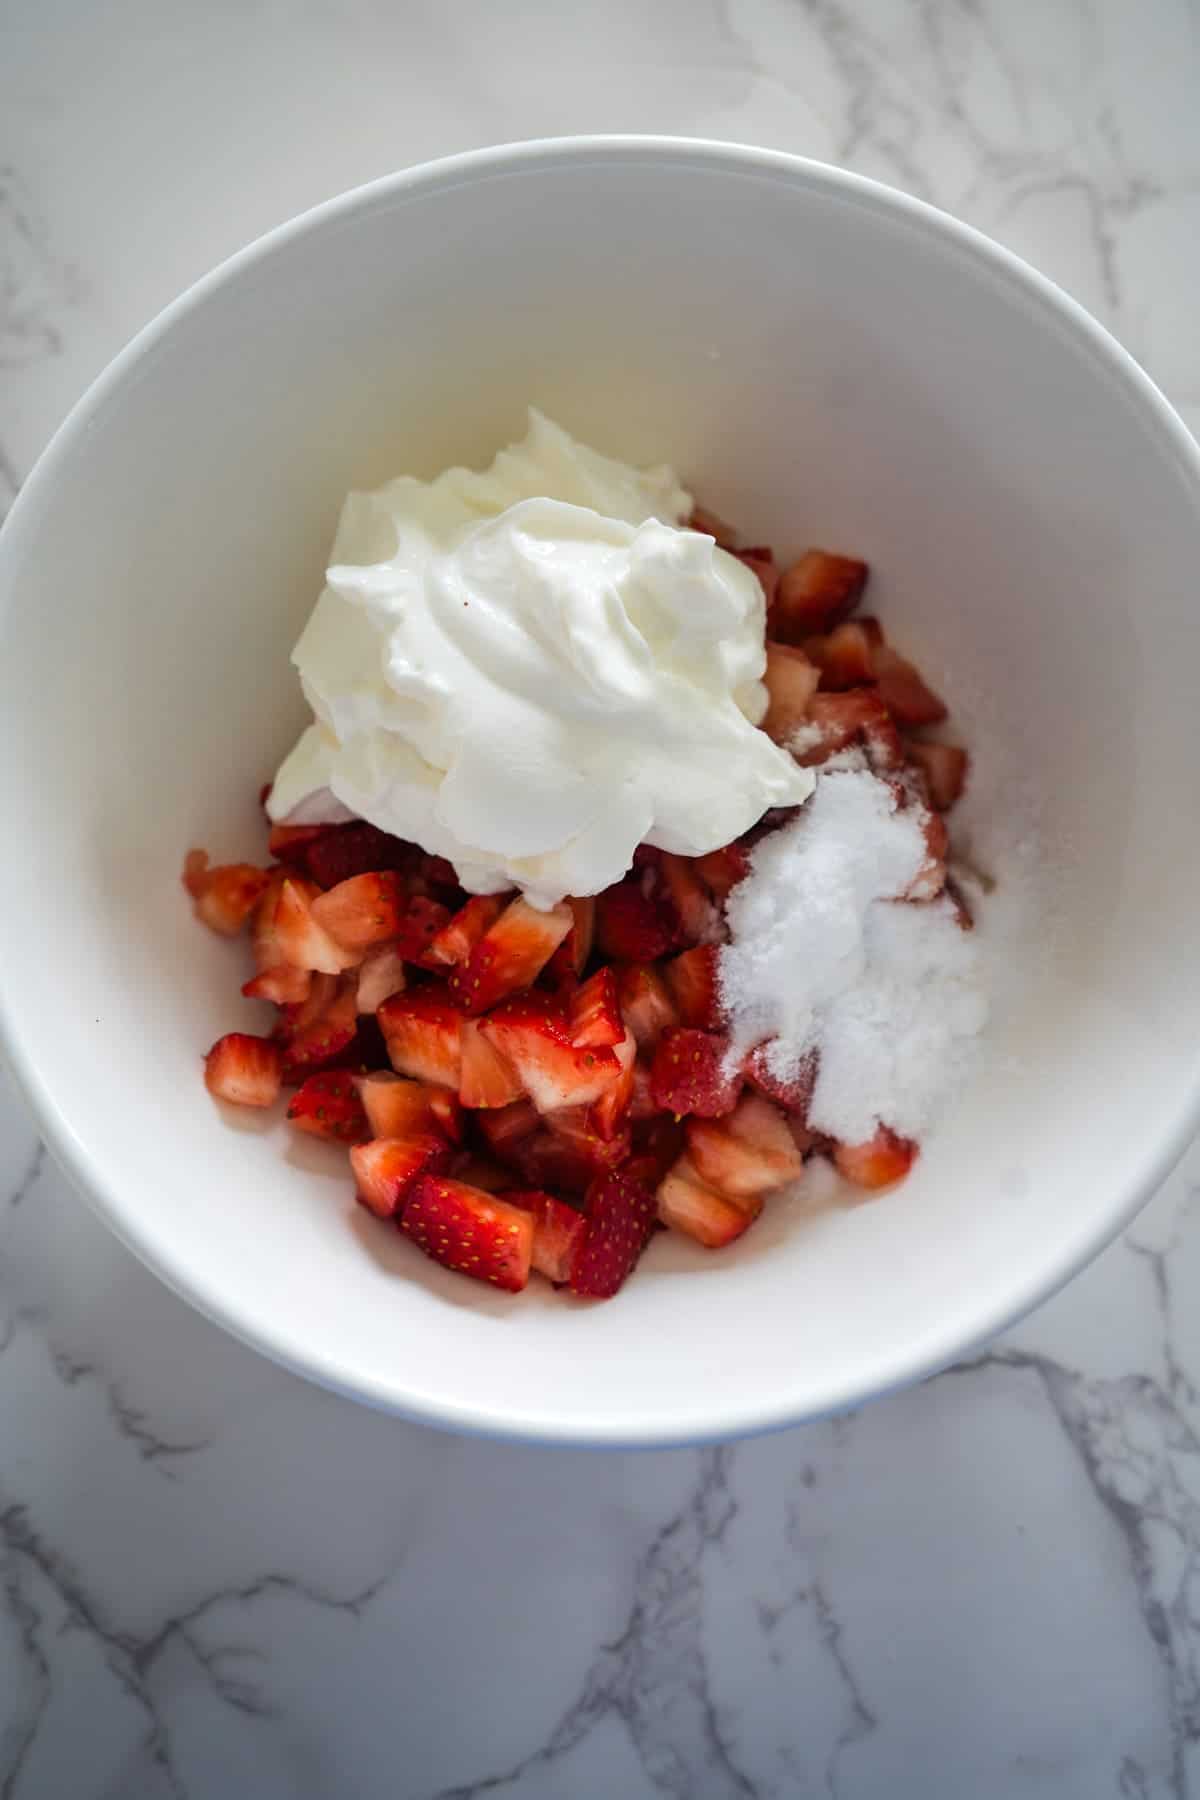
641 1100
363 911
195 872
611 1111
398 1107
508 1127
687 1203
885 1158
327 1032
328 1106
815 594
838 720
339 852
243 1069
620 1220
570 959
531 1031
282 985
465 1229
723 869
750 1152
631 926
487 1079
435 872
700 921
574 1125
904 693
944 767
477 1171
791 683
226 896
386 1168
290 844
419 926
558 1231
594 1016
381 974
302 940
456 940
931 877
264 939
657 1145
510 955
713 526
423 1033
846 658
687 1076
646 1006
793 1092
760 560
691 980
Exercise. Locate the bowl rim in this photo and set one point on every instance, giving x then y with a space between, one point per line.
942 1343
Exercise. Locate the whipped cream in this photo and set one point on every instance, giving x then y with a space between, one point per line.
531 670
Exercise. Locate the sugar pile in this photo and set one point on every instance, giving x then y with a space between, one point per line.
823 957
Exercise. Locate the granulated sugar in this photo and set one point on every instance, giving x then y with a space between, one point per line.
824 957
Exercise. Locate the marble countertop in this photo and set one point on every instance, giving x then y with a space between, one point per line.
216 1581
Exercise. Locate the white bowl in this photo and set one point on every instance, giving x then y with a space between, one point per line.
827 362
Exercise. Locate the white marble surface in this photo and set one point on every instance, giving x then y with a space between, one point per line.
218 1582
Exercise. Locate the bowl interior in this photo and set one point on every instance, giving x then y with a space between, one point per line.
825 364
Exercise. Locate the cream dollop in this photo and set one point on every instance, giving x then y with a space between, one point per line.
533 669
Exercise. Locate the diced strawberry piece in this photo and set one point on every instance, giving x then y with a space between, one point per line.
290 844
510 955
791 682
594 1015
760 560
324 1036
657 1145
885 1158
363 911
620 1222
328 1106
297 1016
687 1075
713 526
687 1203
750 1152
641 1101
397 1106
195 872
611 1111
532 1032
420 924
380 975
904 693
846 658
386 1169
340 852
700 921
944 767
838 720
508 1127
264 939
574 1125
465 1229
487 1079
793 1092
436 872
931 877
423 1033
302 940
723 869
815 594
691 980
226 896
558 1231
646 1006
570 959
282 986
631 926
477 1171
456 940
243 1069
